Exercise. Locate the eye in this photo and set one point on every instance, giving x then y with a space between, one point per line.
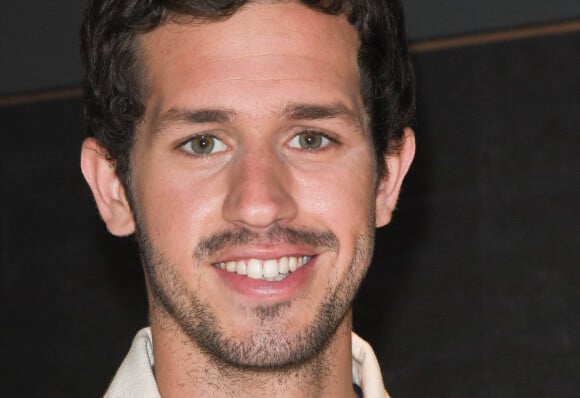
309 140
203 145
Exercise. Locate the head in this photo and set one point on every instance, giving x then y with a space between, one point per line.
253 147
116 83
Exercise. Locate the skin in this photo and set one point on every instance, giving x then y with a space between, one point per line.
256 66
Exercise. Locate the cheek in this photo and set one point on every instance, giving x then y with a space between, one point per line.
175 210
342 194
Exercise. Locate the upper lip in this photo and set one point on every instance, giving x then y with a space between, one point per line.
262 252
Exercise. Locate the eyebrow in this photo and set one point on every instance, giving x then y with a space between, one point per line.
182 116
317 112
295 111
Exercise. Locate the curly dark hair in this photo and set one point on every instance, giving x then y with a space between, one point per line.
115 81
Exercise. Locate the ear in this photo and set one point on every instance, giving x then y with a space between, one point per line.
390 185
107 189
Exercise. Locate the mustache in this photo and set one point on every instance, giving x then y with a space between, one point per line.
277 234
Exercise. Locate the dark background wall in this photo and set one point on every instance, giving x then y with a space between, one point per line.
39 41
474 288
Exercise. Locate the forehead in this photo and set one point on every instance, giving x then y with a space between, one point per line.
263 49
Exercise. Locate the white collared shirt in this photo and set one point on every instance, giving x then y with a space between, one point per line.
135 377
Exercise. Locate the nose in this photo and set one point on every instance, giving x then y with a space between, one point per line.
260 190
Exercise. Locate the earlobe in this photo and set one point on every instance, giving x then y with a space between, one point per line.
390 185
107 189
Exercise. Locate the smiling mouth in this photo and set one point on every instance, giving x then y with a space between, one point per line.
273 270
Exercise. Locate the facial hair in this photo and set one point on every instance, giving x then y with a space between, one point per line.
270 347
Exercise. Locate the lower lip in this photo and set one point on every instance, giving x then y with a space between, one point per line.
265 291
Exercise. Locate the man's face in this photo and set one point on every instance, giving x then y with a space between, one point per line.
254 181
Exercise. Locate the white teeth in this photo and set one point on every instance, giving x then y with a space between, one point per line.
241 268
255 269
231 266
283 265
272 270
292 264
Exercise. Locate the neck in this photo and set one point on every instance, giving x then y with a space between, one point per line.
182 369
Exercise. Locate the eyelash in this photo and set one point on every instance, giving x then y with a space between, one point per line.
327 141
214 141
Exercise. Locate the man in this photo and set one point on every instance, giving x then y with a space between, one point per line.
252 147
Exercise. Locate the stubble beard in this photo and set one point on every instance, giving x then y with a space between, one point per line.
271 346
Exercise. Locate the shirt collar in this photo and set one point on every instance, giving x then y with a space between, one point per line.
135 376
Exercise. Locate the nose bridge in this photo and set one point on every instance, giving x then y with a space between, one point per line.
259 169
259 192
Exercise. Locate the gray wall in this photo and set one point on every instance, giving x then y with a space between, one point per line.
39 42
427 19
